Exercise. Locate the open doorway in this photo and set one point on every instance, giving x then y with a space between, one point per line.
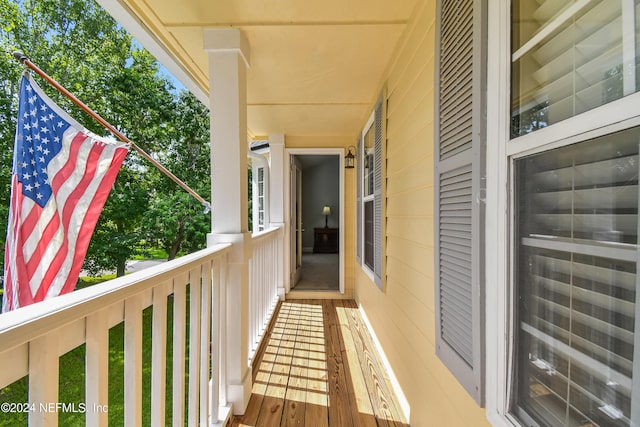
316 222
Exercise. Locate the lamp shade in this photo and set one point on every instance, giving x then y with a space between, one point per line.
326 210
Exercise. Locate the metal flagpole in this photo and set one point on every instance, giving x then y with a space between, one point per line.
25 61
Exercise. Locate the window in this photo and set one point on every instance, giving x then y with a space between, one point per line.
260 196
258 192
569 57
577 236
576 323
369 195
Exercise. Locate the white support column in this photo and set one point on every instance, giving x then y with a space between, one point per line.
276 179
277 186
228 52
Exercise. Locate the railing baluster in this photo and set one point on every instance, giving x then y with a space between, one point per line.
133 361
159 355
205 347
252 306
195 285
18 359
43 380
97 369
179 344
214 396
263 283
224 278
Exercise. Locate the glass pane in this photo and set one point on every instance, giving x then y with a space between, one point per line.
577 227
368 148
368 234
569 57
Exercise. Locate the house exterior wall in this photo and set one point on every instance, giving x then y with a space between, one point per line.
403 314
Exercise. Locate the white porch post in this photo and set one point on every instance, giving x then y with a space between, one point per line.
228 52
277 185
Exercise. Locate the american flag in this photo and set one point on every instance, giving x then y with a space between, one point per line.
61 178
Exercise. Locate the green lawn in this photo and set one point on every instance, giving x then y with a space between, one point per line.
72 375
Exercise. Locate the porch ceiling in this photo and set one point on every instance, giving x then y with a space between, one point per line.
316 66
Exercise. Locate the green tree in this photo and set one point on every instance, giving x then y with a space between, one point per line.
175 221
83 48
9 75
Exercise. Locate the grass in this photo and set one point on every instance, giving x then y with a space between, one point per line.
84 282
153 253
72 374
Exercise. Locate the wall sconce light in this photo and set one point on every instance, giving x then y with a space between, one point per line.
350 158
326 211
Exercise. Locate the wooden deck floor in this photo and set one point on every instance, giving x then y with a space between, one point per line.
318 367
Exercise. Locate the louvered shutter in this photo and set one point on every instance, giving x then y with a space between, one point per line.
377 194
459 192
359 200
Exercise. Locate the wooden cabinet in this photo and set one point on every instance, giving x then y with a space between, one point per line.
325 240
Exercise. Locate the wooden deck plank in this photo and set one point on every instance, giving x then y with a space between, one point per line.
339 405
261 371
362 409
294 404
384 407
317 367
274 396
316 399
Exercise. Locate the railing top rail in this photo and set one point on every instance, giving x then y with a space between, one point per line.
27 323
263 234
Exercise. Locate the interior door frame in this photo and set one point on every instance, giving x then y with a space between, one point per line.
317 152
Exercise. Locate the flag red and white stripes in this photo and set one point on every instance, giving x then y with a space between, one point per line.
62 175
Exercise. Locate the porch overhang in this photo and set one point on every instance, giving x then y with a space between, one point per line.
316 66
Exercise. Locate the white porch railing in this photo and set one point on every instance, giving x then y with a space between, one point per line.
265 268
33 338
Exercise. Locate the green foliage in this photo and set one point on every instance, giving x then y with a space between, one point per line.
175 221
82 47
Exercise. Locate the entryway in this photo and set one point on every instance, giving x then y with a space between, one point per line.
316 218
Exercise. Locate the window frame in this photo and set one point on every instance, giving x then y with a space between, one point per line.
501 154
257 162
369 126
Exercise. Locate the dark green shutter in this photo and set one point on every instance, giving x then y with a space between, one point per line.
459 190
